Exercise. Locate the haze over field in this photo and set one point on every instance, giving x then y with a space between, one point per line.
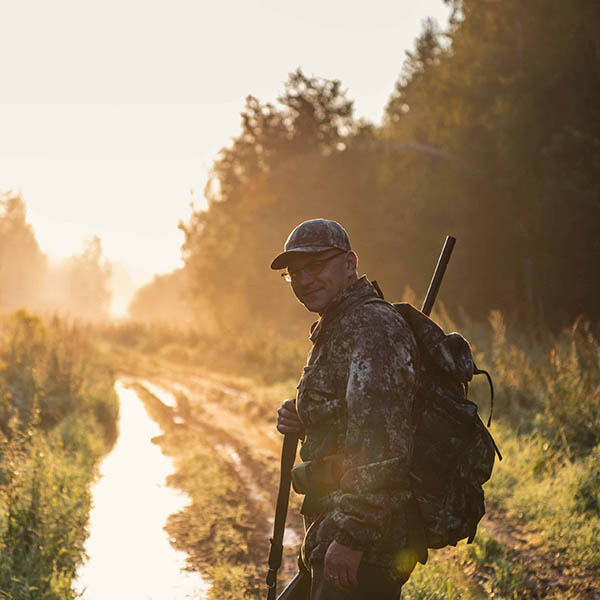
111 115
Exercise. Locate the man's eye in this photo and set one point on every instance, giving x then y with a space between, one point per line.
315 266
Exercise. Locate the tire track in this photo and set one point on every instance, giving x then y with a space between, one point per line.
191 409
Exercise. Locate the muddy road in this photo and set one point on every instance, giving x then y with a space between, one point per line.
226 453
203 420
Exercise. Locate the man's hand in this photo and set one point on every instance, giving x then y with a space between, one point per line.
341 565
288 420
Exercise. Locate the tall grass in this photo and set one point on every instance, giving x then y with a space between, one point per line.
548 427
551 386
264 356
58 415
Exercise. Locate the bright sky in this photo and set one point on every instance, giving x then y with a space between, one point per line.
112 111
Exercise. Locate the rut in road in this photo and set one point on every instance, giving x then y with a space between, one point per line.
252 465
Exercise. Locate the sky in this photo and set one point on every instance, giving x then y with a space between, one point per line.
112 111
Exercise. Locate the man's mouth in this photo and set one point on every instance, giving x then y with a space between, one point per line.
311 292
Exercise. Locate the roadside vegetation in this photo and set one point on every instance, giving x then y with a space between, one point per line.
58 416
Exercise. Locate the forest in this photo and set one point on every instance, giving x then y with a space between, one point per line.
491 134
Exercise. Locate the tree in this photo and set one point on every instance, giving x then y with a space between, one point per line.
515 100
81 284
492 134
227 248
22 263
164 300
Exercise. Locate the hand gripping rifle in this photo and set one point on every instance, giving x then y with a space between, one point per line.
299 586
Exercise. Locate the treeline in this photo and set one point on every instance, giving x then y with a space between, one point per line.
78 286
492 133
166 301
58 416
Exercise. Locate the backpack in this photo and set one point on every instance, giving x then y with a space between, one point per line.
453 452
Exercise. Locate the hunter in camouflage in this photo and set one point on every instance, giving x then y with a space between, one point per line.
354 405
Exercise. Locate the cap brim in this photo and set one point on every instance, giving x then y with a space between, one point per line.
281 261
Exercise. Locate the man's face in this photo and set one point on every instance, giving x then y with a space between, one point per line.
330 272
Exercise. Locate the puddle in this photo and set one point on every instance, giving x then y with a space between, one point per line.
163 395
130 557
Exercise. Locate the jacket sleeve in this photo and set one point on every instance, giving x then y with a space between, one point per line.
379 438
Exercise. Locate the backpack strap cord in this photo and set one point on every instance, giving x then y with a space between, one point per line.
494 444
477 371
377 289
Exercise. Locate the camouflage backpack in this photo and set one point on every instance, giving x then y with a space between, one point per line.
453 450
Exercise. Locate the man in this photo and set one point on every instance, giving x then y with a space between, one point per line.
353 409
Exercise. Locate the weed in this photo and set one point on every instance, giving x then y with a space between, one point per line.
58 416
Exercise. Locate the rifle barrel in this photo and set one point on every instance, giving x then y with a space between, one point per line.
438 275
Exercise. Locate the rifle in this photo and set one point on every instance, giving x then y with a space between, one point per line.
288 456
438 275
299 586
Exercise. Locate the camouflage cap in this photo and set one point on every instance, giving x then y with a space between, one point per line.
316 235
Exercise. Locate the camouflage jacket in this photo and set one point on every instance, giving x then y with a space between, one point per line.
355 399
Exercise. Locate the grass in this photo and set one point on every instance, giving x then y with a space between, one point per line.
442 578
560 496
58 415
266 358
218 526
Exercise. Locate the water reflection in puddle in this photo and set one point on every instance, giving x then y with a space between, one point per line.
130 557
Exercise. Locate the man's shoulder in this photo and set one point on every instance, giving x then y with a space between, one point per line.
377 319
374 312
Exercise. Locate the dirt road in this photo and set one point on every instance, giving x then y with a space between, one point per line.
219 418
208 415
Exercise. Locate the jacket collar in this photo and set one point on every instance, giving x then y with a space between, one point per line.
355 294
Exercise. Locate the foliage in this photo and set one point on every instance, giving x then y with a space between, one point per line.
81 284
492 134
263 356
58 415
78 285
550 385
163 300
228 247
514 99
22 263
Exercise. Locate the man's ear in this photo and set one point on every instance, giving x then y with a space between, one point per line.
353 264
